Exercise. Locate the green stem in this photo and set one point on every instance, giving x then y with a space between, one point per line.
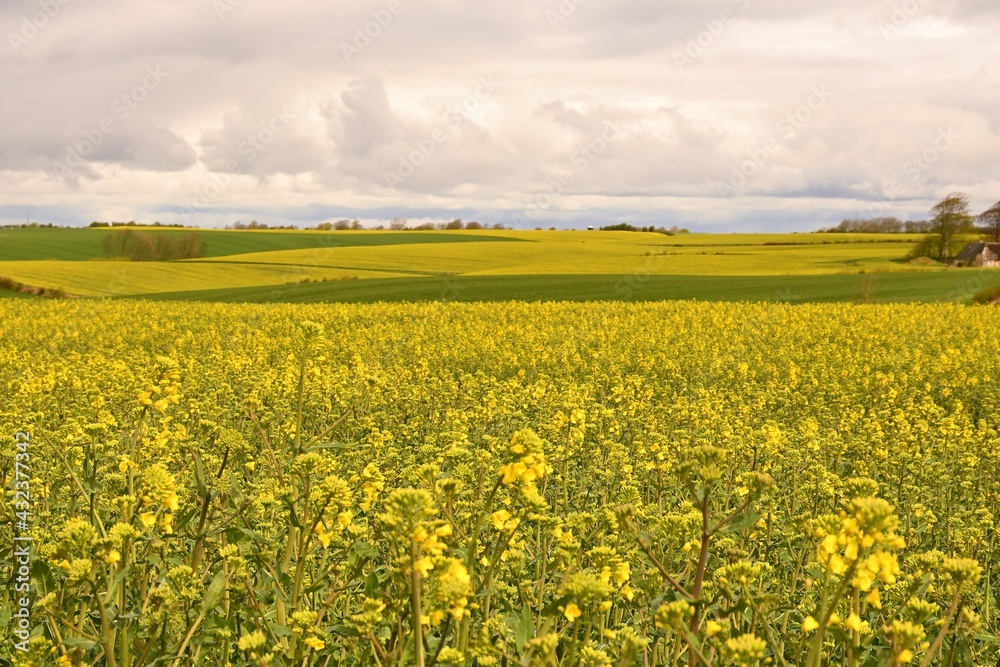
107 632
952 611
699 579
418 640
816 650
470 559
298 400
187 638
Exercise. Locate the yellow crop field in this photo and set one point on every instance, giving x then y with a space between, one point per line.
550 253
587 485
108 278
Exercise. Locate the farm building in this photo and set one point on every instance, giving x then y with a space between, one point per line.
979 254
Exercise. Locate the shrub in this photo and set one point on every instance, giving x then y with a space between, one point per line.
152 246
988 295
17 286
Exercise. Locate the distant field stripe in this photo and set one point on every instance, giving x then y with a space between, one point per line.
886 287
406 272
83 244
773 244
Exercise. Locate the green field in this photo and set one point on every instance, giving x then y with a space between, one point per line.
886 287
369 266
85 244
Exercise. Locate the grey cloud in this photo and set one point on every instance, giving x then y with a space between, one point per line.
152 149
438 151
265 143
364 120
77 154
358 121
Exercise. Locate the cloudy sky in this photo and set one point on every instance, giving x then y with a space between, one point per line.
719 115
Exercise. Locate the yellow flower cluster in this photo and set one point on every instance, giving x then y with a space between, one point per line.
529 463
429 543
166 390
159 493
863 542
454 588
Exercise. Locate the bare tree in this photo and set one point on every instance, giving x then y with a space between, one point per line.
917 226
398 224
989 223
950 218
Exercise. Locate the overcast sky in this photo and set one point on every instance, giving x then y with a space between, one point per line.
719 115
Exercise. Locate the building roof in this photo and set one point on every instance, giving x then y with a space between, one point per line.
973 250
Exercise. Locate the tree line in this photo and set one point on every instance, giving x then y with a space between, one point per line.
951 222
133 223
253 224
884 225
397 224
625 227
403 225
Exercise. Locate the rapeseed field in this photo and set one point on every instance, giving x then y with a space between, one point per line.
587 484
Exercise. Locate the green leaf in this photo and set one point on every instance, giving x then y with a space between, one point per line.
341 446
119 578
92 486
362 551
741 522
199 476
553 608
525 628
343 631
371 585
214 592
80 642
292 516
235 488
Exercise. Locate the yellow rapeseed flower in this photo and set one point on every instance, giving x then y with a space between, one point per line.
424 565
